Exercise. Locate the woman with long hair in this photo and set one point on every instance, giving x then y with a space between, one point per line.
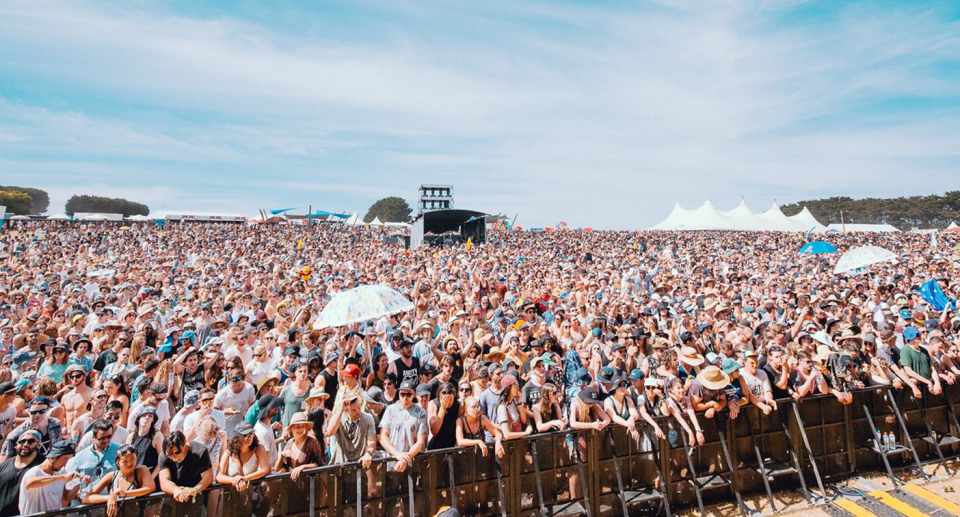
302 451
547 414
295 392
621 409
147 441
116 388
56 364
127 482
245 459
514 418
379 373
212 438
472 424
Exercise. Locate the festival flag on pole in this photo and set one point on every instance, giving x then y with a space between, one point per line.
300 245
469 243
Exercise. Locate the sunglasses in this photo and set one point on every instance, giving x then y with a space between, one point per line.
209 399
101 397
236 379
389 383
38 412
258 355
105 438
27 441
406 393
464 389
115 417
59 351
76 376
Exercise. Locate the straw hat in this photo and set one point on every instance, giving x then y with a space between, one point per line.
690 356
713 378
849 335
299 419
495 355
823 353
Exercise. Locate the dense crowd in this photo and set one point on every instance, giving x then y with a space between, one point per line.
142 359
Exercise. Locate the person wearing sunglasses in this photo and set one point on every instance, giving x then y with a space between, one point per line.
44 486
99 457
114 415
49 428
96 409
235 398
13 469
403 429
442 414
55 364
76 397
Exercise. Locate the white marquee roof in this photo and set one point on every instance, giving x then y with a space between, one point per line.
706 217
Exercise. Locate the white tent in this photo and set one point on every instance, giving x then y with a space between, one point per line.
806 220
706 217
782 223
138 217
870 228
376 222
952 226
676 217
354 219
744 219
59 217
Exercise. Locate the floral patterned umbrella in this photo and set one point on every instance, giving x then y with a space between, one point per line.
362 303
862 257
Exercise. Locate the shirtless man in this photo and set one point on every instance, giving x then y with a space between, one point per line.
77 395
98 408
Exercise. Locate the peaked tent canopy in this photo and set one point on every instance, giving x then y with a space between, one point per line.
706 217
870 228
808 221
376 222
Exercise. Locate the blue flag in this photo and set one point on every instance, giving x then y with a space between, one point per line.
933 295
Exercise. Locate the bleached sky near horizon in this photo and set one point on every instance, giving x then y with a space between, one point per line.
600 114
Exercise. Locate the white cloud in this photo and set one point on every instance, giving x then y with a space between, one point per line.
592 115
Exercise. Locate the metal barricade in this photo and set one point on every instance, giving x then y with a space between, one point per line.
600 473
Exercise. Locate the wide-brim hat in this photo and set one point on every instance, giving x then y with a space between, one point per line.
495 355
713 378
299 418
823 353
689 355
317 393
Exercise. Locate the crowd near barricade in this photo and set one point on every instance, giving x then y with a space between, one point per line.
254 370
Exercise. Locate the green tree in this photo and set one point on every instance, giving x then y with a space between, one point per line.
933 211
105 205
391 209
15 201
41 200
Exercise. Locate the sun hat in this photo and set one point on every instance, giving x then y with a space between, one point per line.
651 382
317 393
62 448
823 353
299 418
375 395
713 378
507 381
243 429
690 356
729 366
589 395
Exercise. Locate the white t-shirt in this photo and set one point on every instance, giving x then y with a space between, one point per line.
265 436
259 370
242 401
119 437
42 499
163 413
6 420
245 355
191 420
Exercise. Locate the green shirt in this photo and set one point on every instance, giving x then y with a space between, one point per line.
919 362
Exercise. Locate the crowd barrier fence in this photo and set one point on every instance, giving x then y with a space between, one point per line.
540 476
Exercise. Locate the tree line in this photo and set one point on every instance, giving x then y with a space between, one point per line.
905 213
32 201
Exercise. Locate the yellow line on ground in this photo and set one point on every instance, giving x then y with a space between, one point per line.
932 498
853 508
896 504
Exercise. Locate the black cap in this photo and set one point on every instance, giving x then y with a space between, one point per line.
7 387
62 448
408 385
243 428
291 350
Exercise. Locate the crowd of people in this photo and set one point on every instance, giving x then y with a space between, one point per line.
141 359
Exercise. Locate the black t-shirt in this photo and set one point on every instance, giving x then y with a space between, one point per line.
10 478
188 472
404 371
530 394
778 392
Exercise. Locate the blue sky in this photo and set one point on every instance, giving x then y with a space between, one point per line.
600 114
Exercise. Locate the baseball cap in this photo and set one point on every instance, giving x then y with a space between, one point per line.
910 333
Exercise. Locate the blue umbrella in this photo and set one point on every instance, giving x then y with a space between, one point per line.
817 248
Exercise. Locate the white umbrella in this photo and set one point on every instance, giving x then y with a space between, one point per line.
19 218
362 303
862 257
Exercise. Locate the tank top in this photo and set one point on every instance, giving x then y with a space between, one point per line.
624 411
404 371
331 386
447 434
471 435
193 381
135 484
235 469
146 452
